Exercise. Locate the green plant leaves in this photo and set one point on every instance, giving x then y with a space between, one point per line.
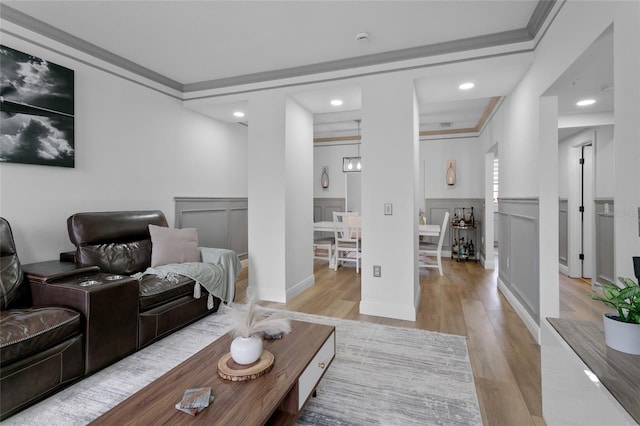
625 299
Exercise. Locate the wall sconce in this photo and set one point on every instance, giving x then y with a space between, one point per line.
324 178
451 172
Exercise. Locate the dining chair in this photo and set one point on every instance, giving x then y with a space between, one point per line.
347 237
324 248
427 250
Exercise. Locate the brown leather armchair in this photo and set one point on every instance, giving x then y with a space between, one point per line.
41 348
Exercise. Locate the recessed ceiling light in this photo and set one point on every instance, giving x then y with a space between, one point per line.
586 102
238 114
336 102
466 86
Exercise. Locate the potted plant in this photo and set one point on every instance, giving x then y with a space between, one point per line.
248 325
622 328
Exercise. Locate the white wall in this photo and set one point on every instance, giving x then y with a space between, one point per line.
331 155
521 172
469 156
299 202
604 162
135 149
564 167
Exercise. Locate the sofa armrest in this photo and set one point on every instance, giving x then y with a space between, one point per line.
53 270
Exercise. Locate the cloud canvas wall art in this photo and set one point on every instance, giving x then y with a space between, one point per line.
37 110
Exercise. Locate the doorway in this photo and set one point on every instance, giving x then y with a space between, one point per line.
579 181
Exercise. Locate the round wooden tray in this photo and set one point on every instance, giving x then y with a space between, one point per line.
228 369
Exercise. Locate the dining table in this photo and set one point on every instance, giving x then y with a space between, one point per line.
423 230
323 226
429 230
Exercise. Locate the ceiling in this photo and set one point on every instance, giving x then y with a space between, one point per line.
193 45
590 76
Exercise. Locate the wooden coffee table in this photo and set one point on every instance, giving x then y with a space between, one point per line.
301 359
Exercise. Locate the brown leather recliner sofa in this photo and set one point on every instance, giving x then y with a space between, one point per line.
41 348
120 243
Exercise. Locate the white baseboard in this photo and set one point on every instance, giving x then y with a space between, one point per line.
528 321
270 294
486 263
407 313
564 270
300 287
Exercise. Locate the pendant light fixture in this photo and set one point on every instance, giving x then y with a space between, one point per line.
353 164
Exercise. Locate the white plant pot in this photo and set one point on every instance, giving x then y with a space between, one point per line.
621 336
246 350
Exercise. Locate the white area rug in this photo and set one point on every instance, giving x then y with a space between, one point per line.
381 375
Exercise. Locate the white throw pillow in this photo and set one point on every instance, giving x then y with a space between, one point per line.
169 245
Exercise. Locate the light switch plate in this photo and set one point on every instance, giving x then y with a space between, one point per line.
377 270
388 209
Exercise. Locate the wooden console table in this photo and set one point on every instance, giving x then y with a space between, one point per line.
301 359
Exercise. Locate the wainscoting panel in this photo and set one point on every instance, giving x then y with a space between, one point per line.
519 252
524 262
563 215
604 242
211 225
434 214
221 222
323 208
504 248
238 220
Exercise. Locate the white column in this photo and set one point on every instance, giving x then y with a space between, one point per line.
280 194
299 199
390 176
548 218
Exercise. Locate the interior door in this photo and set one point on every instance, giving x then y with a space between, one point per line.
588 215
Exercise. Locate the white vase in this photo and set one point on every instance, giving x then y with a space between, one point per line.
621 336
246 350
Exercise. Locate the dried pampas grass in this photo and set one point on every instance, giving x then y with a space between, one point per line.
252 319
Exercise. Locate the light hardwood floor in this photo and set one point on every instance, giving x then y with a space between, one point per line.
465 301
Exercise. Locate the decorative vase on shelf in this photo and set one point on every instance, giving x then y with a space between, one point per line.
621 328
248 324
246 350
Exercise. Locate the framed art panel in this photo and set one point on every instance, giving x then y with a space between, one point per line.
37 110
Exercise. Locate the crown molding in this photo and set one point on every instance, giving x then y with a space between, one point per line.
455 46
539 16
40 27
536 21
